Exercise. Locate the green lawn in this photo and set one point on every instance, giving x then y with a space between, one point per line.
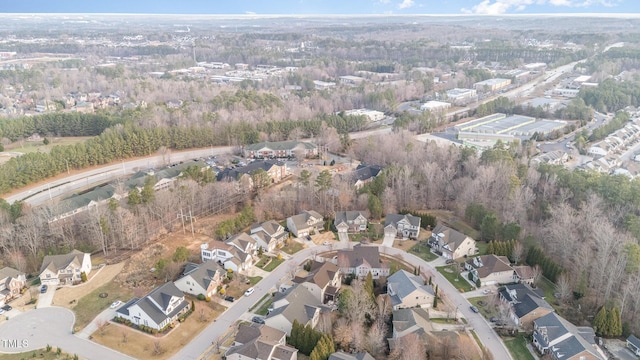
273 264
262 310
90 305
482 247
260 301
486 310
37 354
518 348
254 280
263 261
549 289
456 279
422 251
395 265
475 336
292 248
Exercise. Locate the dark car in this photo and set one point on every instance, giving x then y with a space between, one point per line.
494 319
7 308
309 237
229 298
474 309
257 320
43 289
450 261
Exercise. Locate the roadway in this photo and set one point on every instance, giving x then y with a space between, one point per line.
203 341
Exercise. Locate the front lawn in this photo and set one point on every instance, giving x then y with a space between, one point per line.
484 305
262 310
292 247
273 264
518 348
254 280
423 251
455 279
92 304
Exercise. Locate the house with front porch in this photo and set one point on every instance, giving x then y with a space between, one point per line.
451 244
65 269
556 337
269 235
490 270
402 226
202 278
525 304
360 261
297 303
408 291
227 255
350 221
305 223
323 280
159 309
12 282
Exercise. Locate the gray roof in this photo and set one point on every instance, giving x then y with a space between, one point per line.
302 305
280 145
162 294
321 274
529 303
204 273
57 262
451 237
348 356
269 227
403 283
411 321
634 340
365 172
344 216
513 292
261 342
555 327
234 174
7 272
242 240
489 264
392 219
301 219
124 309
362 254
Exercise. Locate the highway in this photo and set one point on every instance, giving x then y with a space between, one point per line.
203 341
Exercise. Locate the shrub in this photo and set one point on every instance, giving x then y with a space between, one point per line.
208 299
83 276
200 297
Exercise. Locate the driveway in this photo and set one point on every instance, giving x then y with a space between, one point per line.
50 326
388 240
343 237
46 299
102 318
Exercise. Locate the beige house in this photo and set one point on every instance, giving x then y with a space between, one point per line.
12 282
201 278
269 235
323 280
490 270
65 269
350 221
408 291
451 244
254 341
297 303
362 260
305 223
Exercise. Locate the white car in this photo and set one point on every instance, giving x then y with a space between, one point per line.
249 291
116 304
326 243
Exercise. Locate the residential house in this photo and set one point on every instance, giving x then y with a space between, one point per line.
12 282
305 223
525 304
84 107
409 321
202 278
362 260
451 244
560 339
633 343
523 274
243 242
269 235
65 269
402 226
227 255
490 270
407 291
281 149
255 341
340 355
350 221
276 170
45 106
297 303
323 280
159 309
363 174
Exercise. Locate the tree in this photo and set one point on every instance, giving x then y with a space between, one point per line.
147 195
305 176
181 254
563 287
517 252
489 227
375 207
134 198
323 180
260 178
409 346
600 321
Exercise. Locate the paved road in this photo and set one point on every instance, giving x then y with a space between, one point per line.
38 328
104 317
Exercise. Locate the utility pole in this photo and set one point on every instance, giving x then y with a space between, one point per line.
191 219
181 216
67 162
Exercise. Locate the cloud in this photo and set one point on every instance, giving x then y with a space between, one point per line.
384 1
405 4
497 7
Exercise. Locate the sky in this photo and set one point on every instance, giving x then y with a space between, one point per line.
492 7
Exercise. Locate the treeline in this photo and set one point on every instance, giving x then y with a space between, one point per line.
250 99
57 124
427 221
490 227
575 110
503 248
611 95
311 128
617 123
235 225
310 341
608 322
550 270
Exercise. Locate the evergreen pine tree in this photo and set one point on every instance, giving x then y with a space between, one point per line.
600 320
616 322
491 248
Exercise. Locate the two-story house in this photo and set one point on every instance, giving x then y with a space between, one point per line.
451 244
255 341
305 223
243 242
402 226
490 270
297 303
362 175
525 304
12 282
202 278
281 149
160 308
276 171
269 235
407 291
562 340
350 221
227 255
323 280
65 269
360 261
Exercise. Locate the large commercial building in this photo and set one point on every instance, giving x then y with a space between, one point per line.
505 128
492 85
462 96
372 115
435 106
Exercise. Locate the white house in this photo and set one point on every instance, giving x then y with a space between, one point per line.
158 309
402 226
350 221
362 260
65 269
305 223
269 235
228 255
407 291
201 279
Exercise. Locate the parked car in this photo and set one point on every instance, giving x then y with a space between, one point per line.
309 237
7 308
449 261
43 289
115 304
474 309
229 298
1 311
257 320
326 243
249 291
493 319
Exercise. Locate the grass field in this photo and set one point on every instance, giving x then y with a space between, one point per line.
292 247
518 348
33 146
92 304
254 280
275 262
37 354
455 279
422 251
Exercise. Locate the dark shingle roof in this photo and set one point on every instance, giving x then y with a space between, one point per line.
403 283
162 295
394 218
203 273
234 174
362 254
634 340
452 237
365 172
344 216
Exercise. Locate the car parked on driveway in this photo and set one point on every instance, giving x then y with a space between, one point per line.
7 308
43 289
116 304
229 298
257 320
